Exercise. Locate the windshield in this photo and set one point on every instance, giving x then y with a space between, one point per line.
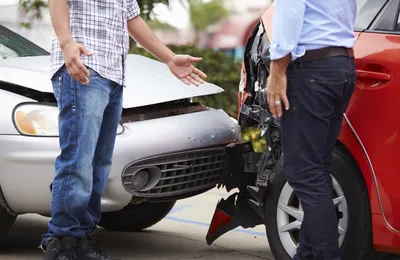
13 45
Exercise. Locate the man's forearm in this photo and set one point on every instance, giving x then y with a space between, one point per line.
142 33
59 13
278 67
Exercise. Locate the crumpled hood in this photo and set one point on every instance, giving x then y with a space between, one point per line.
148 81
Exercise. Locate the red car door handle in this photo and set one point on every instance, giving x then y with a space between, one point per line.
373 75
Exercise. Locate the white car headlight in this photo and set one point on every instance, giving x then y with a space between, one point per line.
39 120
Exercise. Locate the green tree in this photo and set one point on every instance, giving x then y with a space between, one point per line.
203 14
32 8
146 6
157 25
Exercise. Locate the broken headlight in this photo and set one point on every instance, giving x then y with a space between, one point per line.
39 120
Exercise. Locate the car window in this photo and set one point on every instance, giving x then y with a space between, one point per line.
387 21
7 52
367 11
397 27
14 45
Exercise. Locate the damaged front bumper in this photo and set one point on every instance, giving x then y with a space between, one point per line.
250 173
246 170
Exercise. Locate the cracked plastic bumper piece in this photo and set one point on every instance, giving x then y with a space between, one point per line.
246 170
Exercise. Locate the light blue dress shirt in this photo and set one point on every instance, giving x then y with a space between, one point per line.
300 25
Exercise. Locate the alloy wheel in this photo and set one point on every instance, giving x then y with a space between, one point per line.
290 216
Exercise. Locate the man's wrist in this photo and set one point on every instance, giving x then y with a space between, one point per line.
65 42
278 67
170 57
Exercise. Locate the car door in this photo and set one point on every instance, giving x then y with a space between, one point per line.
374 111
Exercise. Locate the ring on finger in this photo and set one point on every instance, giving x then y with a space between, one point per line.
277 102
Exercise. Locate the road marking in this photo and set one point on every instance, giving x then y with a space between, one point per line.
182 207
240 230
178 208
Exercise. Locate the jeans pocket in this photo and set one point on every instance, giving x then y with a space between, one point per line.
93 74
328 82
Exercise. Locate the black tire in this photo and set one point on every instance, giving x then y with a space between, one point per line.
357 243
136 217
6 223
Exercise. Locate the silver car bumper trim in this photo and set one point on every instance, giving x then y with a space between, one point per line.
196 170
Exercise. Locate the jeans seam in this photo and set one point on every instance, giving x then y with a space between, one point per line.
60 81
114 90
91 221
73 87
295 120
73 130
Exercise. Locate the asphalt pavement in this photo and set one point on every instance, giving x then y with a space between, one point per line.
180 236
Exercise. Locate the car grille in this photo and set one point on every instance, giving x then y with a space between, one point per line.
182 172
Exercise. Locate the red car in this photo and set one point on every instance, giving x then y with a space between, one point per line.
366 161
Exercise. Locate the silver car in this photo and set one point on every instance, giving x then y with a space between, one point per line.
167 148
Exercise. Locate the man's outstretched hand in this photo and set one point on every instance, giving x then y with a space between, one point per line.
181 66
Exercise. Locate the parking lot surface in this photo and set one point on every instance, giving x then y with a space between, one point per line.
180 236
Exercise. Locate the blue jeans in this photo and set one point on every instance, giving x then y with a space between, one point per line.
319 93
88 122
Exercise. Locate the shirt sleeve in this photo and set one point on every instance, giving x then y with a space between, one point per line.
133 9
287 26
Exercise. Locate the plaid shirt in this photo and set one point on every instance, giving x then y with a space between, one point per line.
100 26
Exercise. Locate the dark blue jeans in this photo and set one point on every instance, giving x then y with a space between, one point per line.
88 123
319 93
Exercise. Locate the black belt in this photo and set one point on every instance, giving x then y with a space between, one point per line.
327 52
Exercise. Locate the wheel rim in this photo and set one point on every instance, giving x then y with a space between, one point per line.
290 216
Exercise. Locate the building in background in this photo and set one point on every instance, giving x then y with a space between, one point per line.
231 35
